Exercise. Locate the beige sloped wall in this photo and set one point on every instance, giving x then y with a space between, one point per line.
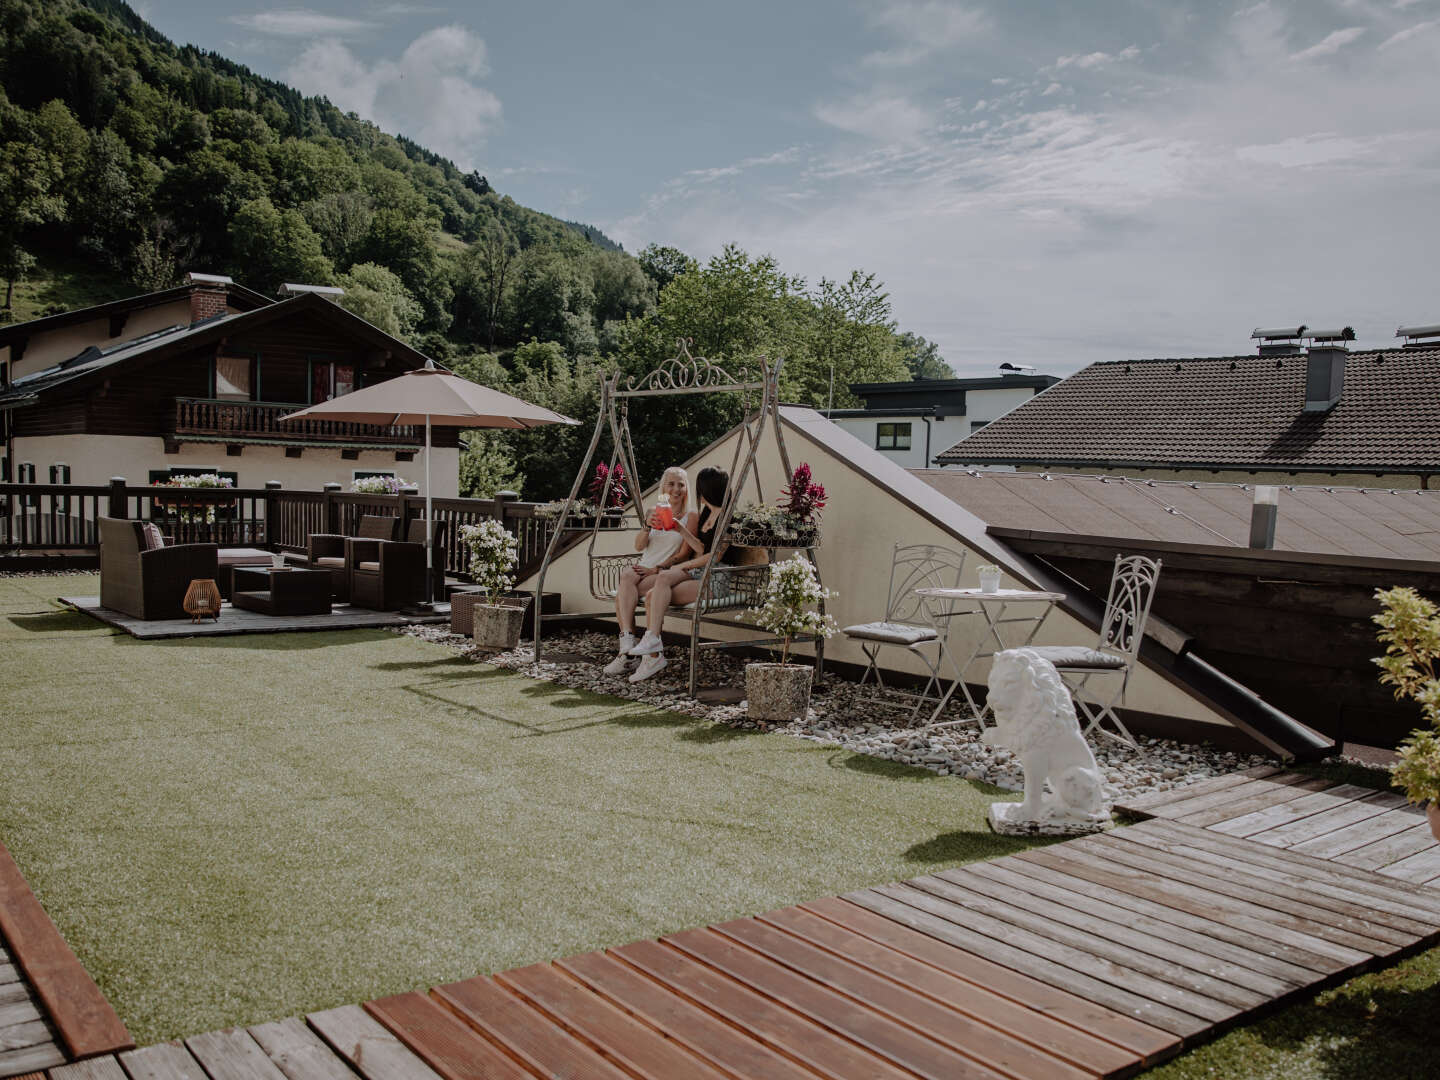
64 342
861 523
94 459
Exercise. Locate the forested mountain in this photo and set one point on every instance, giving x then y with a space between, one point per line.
124 153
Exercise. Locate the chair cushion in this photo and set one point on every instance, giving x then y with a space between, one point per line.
1079 656
333 562
371 567
150 537
891 633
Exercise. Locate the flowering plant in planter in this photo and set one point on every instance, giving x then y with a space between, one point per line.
195 511
788 600
379 485
1410 631
803 499
619 487
493 552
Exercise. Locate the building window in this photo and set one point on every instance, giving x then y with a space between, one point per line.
892 436
329 379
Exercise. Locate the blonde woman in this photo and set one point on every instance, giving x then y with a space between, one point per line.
660 548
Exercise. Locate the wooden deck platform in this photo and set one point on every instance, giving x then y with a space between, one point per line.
1092 958
238 621
1348 825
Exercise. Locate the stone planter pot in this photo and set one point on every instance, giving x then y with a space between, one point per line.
777 693
1432 812
498 626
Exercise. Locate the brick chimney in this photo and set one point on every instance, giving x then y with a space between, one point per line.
208 295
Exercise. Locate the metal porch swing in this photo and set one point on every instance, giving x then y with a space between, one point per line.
742 585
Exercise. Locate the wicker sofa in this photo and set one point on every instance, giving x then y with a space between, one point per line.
149 584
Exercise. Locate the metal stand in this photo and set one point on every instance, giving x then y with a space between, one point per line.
681 375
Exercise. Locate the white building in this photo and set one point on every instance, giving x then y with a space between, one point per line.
911 422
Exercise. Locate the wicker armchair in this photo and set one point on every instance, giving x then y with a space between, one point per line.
387 575
148 584
327 550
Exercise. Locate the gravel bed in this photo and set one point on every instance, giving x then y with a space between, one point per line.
843 713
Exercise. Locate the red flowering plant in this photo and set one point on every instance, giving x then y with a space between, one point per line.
619 488
803 499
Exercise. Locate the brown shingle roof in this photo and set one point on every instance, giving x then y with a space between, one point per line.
1372 523
1225 412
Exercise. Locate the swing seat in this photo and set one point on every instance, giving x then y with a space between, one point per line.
742 585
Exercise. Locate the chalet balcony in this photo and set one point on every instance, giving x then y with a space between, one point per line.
258 422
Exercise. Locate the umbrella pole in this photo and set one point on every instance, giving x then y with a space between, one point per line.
429 523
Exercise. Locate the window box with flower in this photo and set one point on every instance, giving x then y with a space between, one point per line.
794 522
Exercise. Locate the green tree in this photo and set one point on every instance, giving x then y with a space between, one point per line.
342 221
922 357
483 283
274 246
852 340
381 299
663 265
29 182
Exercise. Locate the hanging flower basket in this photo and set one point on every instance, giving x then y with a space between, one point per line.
756 535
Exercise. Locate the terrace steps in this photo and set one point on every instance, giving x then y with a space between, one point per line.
1095 957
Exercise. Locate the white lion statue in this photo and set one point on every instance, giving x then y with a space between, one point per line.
1035 719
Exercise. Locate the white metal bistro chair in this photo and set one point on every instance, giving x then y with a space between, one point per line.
907 624
1127 608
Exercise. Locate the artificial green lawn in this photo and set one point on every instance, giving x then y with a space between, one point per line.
229 830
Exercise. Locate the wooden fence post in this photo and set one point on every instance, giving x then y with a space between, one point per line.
500 499
332 509
118 509
271 486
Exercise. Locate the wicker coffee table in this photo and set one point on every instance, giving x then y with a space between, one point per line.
284 591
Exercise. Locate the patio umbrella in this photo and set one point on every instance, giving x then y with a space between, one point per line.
431 395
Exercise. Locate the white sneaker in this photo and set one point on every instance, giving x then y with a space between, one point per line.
618 666
650 643
649 666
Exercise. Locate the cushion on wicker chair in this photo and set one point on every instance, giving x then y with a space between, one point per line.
333 562
891 633
150 534
1079 656
372 567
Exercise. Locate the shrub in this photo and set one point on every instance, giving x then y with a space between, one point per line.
787 603
1410 631
493 553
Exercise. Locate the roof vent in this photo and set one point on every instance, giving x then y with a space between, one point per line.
208 279
1414 336
1279 341
334 292
1332 337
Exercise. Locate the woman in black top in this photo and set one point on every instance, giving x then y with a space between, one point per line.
681 583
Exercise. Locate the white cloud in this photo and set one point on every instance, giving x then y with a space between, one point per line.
1052 89
923 28
299 22
882 118
1407 34
1330 44
1094 60
429 94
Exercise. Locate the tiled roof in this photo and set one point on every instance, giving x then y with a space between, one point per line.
1225 412
1371 523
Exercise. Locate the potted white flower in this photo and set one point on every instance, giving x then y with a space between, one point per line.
1410 631
989 575
780 692
493 552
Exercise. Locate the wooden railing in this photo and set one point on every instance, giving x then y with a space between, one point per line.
44 519
260 420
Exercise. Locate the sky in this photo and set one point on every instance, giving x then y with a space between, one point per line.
1047 183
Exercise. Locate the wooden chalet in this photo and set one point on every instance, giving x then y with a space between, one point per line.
195 379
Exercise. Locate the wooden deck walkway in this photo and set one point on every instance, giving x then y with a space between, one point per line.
1348 825
1092 958
234 620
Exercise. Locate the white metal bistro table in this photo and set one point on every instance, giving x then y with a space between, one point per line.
995 608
